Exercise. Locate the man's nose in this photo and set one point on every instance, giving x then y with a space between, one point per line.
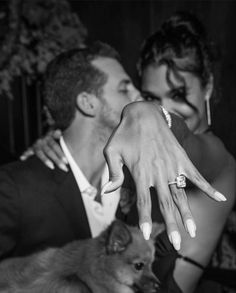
138 96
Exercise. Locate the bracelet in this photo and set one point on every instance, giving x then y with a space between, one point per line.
167 116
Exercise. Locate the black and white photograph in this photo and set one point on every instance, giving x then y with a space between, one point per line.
118 146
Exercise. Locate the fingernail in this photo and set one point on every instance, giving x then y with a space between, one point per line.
63 167
22 157
65 161
220 196
50 165
146 229
191 228
175 239
105 186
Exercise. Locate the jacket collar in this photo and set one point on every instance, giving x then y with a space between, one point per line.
69 197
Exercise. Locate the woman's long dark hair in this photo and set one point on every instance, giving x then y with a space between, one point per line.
181 43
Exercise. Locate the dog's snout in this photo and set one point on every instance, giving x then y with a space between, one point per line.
156 285
148 284
153 286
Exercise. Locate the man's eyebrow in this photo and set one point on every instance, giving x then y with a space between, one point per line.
125 81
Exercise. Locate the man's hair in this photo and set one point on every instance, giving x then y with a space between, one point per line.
70 74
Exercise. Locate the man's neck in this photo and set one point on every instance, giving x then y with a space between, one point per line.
88 154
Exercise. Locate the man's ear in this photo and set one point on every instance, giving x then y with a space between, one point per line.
87 104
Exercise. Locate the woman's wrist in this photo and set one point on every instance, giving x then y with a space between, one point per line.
147 113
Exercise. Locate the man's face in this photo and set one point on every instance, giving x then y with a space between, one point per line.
117 92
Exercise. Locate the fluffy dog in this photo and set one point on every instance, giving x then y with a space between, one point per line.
117 261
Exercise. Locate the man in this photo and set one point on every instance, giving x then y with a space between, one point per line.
85 90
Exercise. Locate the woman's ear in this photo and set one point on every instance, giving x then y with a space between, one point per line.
87 104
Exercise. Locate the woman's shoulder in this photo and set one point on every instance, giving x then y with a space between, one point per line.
221 167
214 141
218 148
225 167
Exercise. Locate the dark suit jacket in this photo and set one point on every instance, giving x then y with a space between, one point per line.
39 207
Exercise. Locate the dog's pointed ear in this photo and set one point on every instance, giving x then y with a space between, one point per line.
118 237
157 228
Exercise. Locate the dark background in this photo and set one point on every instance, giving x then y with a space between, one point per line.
124 25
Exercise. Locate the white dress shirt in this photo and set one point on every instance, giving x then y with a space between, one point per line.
100 215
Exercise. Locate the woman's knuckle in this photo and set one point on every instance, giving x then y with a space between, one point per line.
142 202
108 150
166 204
176 196
138 172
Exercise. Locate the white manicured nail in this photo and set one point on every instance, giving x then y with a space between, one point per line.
65 161
175 239
22 157
50 165
191 228
105 186
146 229
220 196
63 167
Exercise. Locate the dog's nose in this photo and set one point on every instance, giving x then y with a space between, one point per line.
150 285
154 287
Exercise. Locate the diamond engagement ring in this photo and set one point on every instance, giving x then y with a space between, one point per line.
180 181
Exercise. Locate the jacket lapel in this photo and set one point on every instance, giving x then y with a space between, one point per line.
69 197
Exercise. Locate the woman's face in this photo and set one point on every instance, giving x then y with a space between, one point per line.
172 90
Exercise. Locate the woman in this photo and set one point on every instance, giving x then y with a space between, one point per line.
176 68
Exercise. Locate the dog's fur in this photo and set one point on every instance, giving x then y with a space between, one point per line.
117 261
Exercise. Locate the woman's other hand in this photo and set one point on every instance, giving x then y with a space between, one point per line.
48 150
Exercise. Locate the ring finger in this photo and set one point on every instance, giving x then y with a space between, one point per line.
181 201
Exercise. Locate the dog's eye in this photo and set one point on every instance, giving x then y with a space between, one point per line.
139 266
